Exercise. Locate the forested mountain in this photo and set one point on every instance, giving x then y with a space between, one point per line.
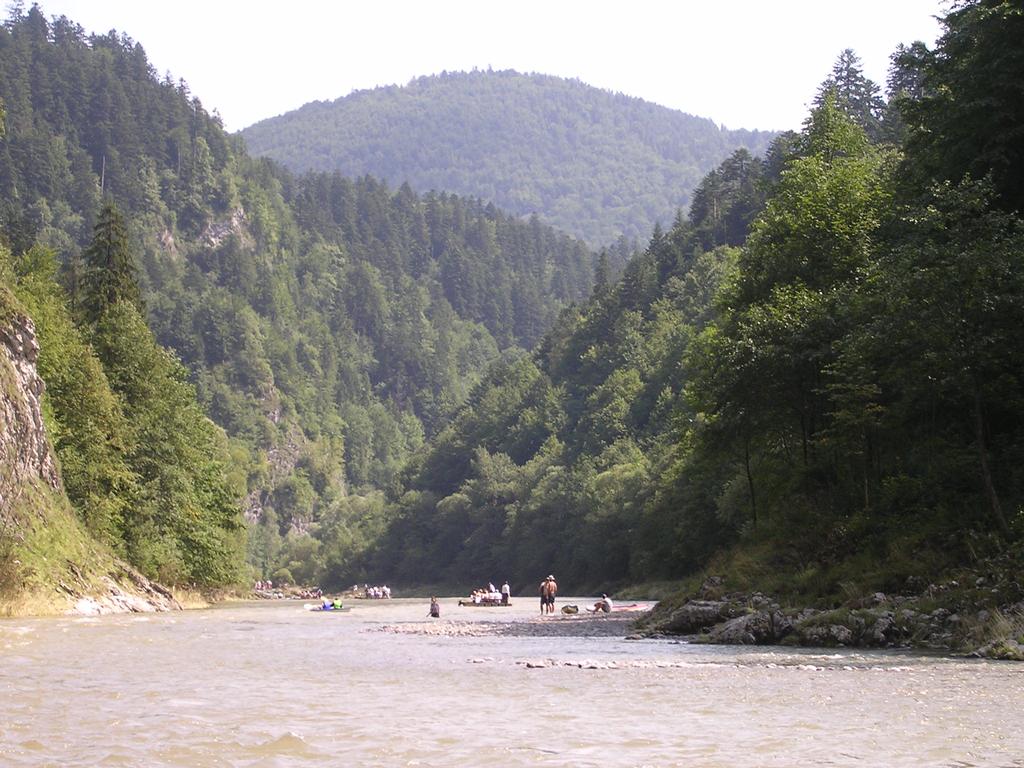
327 324
597 164
812 382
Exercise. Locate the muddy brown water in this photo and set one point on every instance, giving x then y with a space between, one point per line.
270 684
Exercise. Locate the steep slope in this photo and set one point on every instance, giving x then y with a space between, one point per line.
594 163
327 324
48 560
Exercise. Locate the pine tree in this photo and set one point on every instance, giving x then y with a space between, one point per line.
856 95
602 275
110 273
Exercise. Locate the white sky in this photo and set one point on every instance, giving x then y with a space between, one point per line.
743 63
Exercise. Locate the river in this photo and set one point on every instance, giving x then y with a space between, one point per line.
270 684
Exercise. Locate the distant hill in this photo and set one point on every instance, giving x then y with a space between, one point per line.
593 163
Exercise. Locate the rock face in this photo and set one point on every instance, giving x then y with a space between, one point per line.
24 450
758 628
218 231
132 593
698 615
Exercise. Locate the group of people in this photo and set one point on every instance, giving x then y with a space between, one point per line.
382 592
548 590
491 595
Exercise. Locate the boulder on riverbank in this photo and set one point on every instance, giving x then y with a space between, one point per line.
878 621
757 628
699 615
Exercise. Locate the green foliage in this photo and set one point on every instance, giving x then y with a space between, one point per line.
763 368
855 95
110 274
950 376
184 523
316 316
142 466
965 117
597 164
555 461
727 200
88 429
817 369
839 398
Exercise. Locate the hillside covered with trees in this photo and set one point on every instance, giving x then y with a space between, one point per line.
328 325
810 385
597 164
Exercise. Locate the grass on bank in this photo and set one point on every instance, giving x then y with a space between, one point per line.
46 556
937 565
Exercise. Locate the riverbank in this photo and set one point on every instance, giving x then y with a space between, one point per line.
51 566
951 617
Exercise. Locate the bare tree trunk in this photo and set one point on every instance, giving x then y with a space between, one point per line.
986 472
750 478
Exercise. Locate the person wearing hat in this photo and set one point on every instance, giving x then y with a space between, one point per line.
548 590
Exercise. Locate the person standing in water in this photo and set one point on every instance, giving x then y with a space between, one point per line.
505 592
435 608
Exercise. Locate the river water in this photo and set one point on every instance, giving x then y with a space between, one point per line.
270 684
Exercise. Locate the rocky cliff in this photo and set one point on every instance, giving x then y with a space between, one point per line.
25 454
48 561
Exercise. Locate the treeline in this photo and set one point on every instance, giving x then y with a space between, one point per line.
819 370
593 163
327 324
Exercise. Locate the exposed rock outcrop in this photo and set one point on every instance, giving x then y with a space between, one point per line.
130 592
878 621
24 450
758 628
217 232
699 615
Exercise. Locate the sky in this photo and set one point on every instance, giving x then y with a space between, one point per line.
742 63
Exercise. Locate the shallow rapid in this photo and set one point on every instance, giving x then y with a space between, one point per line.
271 684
